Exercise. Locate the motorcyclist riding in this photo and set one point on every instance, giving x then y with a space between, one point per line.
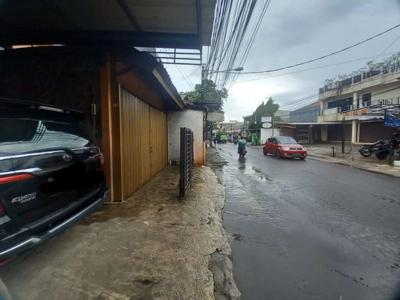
242 147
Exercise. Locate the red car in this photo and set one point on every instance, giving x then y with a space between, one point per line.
284 146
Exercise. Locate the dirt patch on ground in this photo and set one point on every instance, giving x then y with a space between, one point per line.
154 246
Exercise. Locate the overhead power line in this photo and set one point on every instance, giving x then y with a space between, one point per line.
234 23
317 67
297 102
323 56
387 47
252 38
185 77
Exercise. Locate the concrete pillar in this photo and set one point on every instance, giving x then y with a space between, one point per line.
321 108
310 134
354 129
355 98
324 133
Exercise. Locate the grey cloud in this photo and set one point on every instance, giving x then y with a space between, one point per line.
297 30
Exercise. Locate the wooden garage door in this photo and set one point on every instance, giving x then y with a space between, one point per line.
158 140
143 142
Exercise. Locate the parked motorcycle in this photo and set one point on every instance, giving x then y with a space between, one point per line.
382 148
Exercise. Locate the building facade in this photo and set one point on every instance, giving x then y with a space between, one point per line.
231 126
85 60
126 107
308 113
302 124
283 115
358 103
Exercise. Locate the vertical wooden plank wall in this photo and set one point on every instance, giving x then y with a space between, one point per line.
143 142
143 139
128 150
158 140
106 116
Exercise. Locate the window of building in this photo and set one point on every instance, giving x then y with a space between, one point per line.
366 99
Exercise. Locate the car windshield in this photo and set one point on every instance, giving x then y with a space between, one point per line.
286 140
25 135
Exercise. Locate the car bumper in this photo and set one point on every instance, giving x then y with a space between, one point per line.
294 154
21 246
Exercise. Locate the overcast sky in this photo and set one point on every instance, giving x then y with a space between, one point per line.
294 31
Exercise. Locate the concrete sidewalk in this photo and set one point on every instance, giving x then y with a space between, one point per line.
154 246
351 158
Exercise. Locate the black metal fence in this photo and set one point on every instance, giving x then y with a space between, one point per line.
186 161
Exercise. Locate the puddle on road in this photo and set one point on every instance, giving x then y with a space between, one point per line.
250 170
237 236
385 198
262 176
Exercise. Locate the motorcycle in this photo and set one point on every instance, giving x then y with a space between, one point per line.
242 153
381 148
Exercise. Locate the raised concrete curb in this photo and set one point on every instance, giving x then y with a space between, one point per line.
389 171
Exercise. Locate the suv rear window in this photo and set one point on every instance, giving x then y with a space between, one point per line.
24 135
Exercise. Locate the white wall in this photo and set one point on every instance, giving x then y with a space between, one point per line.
386 95
192 119
267 132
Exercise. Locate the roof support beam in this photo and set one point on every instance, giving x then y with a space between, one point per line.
129 15
103 38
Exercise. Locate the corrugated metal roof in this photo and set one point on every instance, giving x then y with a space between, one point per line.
305 123
147 23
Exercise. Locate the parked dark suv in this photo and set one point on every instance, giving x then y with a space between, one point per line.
50 174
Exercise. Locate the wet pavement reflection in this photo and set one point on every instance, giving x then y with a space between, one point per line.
309 229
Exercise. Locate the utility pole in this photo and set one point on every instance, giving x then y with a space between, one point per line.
391 149
272 123
342 135
203 74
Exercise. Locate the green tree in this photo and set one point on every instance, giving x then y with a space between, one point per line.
207 92
268 108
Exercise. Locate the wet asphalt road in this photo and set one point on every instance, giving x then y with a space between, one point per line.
310 229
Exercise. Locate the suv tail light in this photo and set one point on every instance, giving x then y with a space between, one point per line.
14 178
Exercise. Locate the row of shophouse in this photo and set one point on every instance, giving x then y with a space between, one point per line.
352 109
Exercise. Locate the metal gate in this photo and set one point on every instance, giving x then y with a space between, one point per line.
186 161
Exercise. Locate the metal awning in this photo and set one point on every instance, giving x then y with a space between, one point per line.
145 23
306 123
